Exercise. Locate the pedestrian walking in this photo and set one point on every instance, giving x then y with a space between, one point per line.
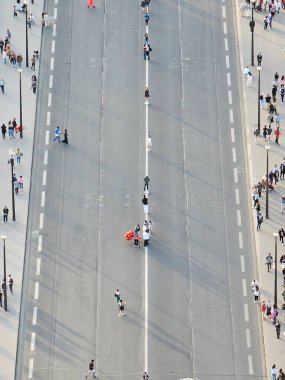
148 143
3 130
46 19
15 14
274 314
122 308
1 45
249 80
269 133
277 120
56 135
281 375
281 233
117 296
145 204
91 4
278 329
146 183
283 310
145 376
29 23
91 370
263 309
16 186
259 59
5 214
273 372
283 295
268 308
137 235
21 183
9 36
2 85
146 17
145 238
282 203
256 293
11 283
19 60
268 261
33 61
65 137
277 135
18 156
282 93
34 84
1 297
264 132
146 95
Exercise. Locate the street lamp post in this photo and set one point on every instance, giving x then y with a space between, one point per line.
21 113
275 270
11 160
3 237
259 68
27 43
252 25
267 147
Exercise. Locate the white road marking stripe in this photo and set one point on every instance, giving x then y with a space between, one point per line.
229 79
54 30
242 266
41 221
48 118
224 11
50 81
37 288
47 138
227 62
244 289
45 157
52 63
233 135
33 341
35 315
55 13
225 27
248 339
38 270
31 368
240 239
231 115
250 366
40 243
234 155
237 196
43 199
226 45
230 97
236 175
53 46
44 181
238 218
49 99
246 316
55 1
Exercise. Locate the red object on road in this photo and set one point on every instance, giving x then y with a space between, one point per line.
91 3
129 235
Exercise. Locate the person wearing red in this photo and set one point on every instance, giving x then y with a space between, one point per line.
277 135
91 3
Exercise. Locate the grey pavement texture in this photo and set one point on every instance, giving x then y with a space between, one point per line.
197 324
271 44
15 231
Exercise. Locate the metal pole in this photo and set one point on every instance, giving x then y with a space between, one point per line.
258 96
5 284
275 274
21 114
27 44
266 213
252 37
13 194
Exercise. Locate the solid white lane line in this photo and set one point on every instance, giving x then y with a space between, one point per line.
41 225
224 11
54 30
48 118
246 315
231 115
47 138
33 341
38 270
52 63
55 13
236 175
37 288
248 339
226 45
225 27
229 79
49 99
35 315
45 157
43 199
234 154
44 181
238 218
227 62
240 240
31 368
53 46
40 243
230 97
250 366
233 135
237 196
242 265
244 289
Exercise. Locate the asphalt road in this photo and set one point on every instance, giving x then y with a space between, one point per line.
93 196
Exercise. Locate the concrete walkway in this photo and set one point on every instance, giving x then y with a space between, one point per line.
9 108
270 44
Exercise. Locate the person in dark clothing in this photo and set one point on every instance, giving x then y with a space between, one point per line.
3 130
281 233
146 183
5 214
259 59
65 137
1 296
278 329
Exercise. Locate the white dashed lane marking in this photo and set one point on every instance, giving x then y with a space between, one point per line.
55 13
246 315
242 265
237 196
231 115
41 224
47 138
48 118
250 366
37 288
236 175
40 243
226 44
227 62
238 218
38 270
44 178
54 30
45 157
244 289
234 155
240 240
233 135
52 63
225 27
33 341
31 368
230 97
49 99
35 315
53 47
43 199
248 339
229 79
224 11
50 81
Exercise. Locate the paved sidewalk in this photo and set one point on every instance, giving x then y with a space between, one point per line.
9 108
270 44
